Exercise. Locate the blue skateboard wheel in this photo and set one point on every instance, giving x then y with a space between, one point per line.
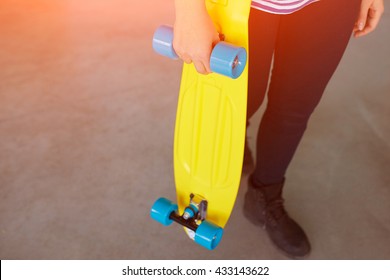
208 235
228 60
163 42
161 210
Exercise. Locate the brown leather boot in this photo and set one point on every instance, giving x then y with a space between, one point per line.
264 206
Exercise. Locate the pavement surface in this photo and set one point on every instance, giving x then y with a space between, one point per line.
87 115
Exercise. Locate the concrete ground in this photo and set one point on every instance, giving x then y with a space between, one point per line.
87 115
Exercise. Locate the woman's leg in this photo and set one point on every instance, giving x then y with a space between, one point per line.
309 47
263 30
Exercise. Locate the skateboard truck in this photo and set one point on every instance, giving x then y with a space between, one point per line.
194 213
206 233
197 204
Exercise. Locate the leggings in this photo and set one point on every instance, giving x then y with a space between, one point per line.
305 48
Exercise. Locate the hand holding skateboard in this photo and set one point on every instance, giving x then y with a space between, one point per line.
226 59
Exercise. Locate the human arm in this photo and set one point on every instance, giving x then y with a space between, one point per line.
369 16
194 34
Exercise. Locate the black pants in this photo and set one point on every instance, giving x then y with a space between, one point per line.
306 47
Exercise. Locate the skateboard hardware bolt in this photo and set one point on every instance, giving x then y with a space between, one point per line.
186 216
188 213
235 62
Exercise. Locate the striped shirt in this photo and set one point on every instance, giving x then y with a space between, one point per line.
282 7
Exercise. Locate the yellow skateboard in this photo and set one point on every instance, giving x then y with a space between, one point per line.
210 128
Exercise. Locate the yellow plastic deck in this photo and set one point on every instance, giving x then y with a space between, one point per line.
211 122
